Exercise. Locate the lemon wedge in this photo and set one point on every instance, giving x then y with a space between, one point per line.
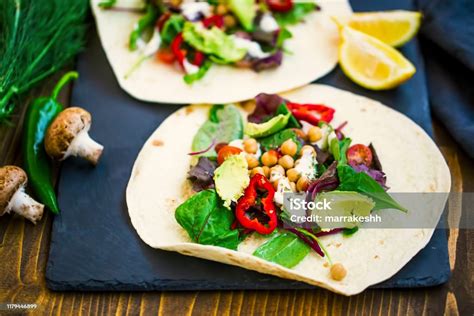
370 62
394 28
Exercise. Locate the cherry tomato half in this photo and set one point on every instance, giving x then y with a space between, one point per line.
227 151
165 55
359 154
280 5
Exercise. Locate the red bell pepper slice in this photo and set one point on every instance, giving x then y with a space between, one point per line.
213 20
311 113
180 53
280 5
257 183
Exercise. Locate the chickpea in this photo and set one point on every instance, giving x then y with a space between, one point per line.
251 146
252 162
338 272
292 174
229 21
314 134
266 171
289 147
300 133
256 170
306 148
270 158
302 183
221 9
286 162
293 186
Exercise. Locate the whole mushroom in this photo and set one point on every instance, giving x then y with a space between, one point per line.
13 197
68 135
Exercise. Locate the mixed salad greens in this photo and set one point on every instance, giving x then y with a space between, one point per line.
242 171
197 34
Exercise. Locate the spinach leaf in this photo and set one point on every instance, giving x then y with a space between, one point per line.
296 14
351 180
285 249
229 126
275 140
292 121
283 35
207 221
172 27
350 231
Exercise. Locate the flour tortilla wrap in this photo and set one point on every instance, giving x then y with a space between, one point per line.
313 54
158 185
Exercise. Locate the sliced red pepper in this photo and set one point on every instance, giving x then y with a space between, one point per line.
213 20
280 5
180 53
311 113
176 48
250 199
165 55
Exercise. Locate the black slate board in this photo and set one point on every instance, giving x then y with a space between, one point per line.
93 244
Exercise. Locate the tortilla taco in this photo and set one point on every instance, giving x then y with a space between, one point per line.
217 51
212 182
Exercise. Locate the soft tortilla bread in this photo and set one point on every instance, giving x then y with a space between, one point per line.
313 54
158 185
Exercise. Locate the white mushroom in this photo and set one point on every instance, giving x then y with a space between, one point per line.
13 197
68 135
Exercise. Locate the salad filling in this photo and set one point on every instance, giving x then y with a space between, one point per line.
194 35
281 147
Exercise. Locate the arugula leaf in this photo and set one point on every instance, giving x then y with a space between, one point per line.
229 126
276 140
190 78
284 249
296 14
350 180
350 231
106 4
292 121
207 221
145 22
172 27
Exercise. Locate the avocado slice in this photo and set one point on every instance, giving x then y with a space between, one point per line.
245 11
267 128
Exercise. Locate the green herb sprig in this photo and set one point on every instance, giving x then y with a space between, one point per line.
37 38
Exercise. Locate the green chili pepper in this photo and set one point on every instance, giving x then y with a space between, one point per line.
38 166
145 22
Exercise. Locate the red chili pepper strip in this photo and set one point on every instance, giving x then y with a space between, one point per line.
311 113
257 182
179 53
214 20
198 58
280 5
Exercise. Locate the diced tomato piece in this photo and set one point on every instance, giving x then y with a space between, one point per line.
226 152
359 154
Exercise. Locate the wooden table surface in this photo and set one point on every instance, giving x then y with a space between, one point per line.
24 252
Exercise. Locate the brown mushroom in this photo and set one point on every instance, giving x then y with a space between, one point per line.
68 135
13 197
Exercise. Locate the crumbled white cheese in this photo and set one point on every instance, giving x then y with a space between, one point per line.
253 48
282 188
190 68
306 165
268 23
153 44
193 10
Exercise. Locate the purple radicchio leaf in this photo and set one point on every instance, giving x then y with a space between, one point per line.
259 35
201 175
375 159
266 106
269 62
322 156
310 242
327 182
